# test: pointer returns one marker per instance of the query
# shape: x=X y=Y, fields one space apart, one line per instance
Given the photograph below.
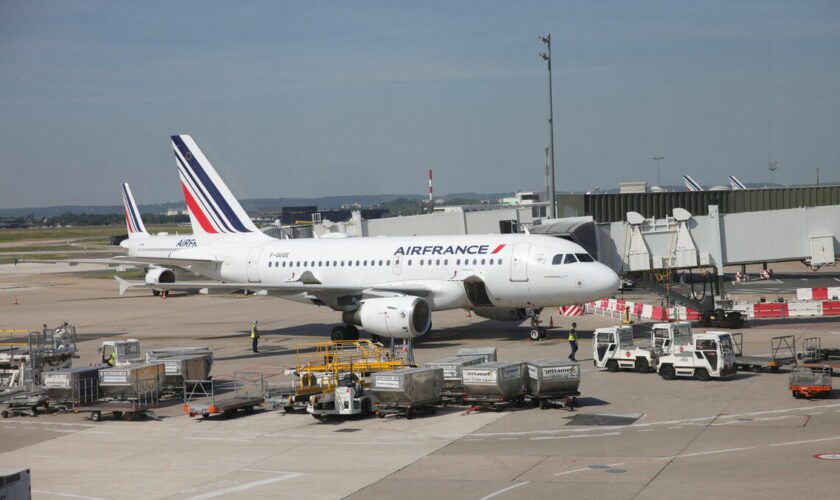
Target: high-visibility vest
x=254 y=333
x=572 y=336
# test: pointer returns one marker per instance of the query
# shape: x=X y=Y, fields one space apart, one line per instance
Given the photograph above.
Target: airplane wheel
x=535 y=334
x=339 y=333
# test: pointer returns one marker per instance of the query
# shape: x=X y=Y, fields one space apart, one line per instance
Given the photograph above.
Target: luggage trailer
x=408 y=392
x=782 y=353
x=138 y=400
x=808 y=382
x=209 y=398
x=494 y=386
x=553 y=383
x=814 y=356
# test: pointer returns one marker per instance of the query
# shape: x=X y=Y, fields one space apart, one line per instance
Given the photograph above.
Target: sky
x=314 y=98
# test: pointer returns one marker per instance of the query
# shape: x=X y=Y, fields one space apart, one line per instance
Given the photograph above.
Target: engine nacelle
x=501 y=313
x=157 y=275
x=393 y=317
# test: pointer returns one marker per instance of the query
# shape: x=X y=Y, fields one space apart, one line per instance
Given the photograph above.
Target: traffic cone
x=16 y=301
x=163 y=294
x=551 y=321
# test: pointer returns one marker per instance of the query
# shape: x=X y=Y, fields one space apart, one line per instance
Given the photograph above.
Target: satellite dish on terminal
x=635 y=218
x=682 y=215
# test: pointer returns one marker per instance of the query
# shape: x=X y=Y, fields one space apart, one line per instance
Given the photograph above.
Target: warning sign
x=828 y=456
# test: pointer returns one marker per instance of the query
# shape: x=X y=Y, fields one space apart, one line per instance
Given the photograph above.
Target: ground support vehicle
x=120 y=352
x=25 y=356
x=138 y=400
x=15 y=484
x=666 y=337
x=553 y=383
x=807 y=382
x=347 y=398
x=209 y=398
x=723 y=318
x=782 y=353
x=711 y=355
x=614 y=349
x=179 y=368
x=814 y=356
x=494 y=386
x=408 y=392
x=25 y=404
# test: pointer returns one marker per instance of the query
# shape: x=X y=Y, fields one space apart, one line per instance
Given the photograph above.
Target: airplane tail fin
x=736 y=184
x=133 y=220
x=691 y=184
x=213 y=209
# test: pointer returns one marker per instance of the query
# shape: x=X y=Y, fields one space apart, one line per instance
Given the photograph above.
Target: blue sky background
x=323 y=98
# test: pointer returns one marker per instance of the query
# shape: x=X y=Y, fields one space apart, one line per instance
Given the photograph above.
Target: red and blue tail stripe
x=132 y=214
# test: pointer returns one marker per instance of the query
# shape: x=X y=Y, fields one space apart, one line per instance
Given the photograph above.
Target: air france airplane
x=149 y=251
x=390 y=286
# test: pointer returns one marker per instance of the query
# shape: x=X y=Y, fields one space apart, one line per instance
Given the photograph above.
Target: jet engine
x=501 y=313
x=157 y=275
x=392 y=317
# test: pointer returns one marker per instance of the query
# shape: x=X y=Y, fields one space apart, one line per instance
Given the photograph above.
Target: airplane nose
x=608 y=281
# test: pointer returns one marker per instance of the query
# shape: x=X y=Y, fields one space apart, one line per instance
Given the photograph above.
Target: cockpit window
x=570 y=259
x=558 y=259
x=584 y=257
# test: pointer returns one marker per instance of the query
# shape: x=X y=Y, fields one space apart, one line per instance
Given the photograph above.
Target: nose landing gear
x=537 y=332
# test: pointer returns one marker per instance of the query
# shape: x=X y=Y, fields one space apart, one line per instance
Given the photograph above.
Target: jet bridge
x=642 y=247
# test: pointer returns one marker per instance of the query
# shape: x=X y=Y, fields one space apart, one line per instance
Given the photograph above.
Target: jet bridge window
x=584 y=257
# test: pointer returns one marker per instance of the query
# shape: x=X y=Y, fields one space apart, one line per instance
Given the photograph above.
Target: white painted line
x=576 y=436
x=713 y=452
x=815 y=413
x=247 y=486
x=60 y=430
x=508 y=439
x=807 y=441
x=503 y=490
x=651 y=430
x=208 y=438
x=676 y=427
x=68 y=495
x=583 y=469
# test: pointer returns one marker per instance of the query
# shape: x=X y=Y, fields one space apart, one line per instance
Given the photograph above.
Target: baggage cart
x=494 y=386
x=807 y=382
x=72 y=387
x=178 y=368
x=407 y=392
x=453 y=366
x=139 y=399
x=782 y=353
x=209 y=398
x=553 y=383
x=25 y=404
x=123 y=382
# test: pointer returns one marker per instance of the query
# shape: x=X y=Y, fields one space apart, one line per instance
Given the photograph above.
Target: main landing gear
x=537 y=332
x=344 y=332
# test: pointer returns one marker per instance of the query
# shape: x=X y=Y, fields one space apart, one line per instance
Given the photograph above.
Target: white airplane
x=148 y=251
x=388 y=285
x=736 y=184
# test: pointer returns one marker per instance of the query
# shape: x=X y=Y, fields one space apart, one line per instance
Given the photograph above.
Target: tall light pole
x=658 y=172
x=772 y=167
x=552 y=209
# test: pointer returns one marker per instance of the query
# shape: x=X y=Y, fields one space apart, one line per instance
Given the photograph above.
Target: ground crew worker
x=112 y=359
x=255 y=336
x=573 y=341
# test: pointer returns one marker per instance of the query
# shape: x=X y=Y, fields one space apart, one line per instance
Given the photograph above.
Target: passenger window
x=445 y=262
x=421 y=261
x=475 y=262
x=357 y=263
x=570 y=259
x=500 y=262
x=380 y=262
x=558 y=259
x=409 y=262
x=320 y=263
x=491 y=262
x=584 y=257
x=364 y=262
x=437 y=262
x=327 y=264
x=458 y=262
x=284 y=263
x=388 y=263
x=482 y=261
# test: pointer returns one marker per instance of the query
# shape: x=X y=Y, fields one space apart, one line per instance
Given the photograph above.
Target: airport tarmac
x=635 y=435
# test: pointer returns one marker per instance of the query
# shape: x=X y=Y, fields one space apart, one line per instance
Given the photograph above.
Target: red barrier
x=659 y=313
x=620 y=305
x=819 y=293
x=771 y=310
x=831 y=308
x=637 y=309
x=691 y=314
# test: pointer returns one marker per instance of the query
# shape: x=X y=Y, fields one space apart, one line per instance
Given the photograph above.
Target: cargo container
x=452 y=368
x=179 y=368
x=123 y=381
x=499 y=382
x=487 y=353
x=553 y=383
x=73 y=385
x=409 y=386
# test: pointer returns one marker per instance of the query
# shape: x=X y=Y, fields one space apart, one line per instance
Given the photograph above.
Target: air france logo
x=186 y=243
x=449 y=250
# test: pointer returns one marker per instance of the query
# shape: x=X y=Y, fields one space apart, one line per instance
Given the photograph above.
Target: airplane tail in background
x=133 y=220
x=736 y=184
x=214 y=211
x=691 y=184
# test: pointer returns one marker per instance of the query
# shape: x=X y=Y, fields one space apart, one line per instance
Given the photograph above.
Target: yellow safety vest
x=254 y=333
x=572 y=336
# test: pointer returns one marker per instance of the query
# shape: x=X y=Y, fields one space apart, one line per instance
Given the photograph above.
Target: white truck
x=704 y=356
x=614 y=349
x=663 y=336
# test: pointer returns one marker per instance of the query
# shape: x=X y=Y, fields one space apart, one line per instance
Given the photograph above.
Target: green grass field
x=88 y=234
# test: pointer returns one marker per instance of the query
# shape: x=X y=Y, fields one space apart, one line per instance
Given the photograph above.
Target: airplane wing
x=124 y=261
x=288 y=288
x=75 y=262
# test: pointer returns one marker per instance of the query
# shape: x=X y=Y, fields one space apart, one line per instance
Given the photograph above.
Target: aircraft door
x=253 y=266
x=519 y=262
x=397 y=266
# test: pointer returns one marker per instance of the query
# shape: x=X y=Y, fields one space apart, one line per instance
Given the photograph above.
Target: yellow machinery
x=321 y=366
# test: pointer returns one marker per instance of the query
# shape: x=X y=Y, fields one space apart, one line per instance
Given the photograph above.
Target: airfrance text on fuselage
x=448 y=250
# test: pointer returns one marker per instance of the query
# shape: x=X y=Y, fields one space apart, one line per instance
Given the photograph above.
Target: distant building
x=176 y=211
x=521 y=198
